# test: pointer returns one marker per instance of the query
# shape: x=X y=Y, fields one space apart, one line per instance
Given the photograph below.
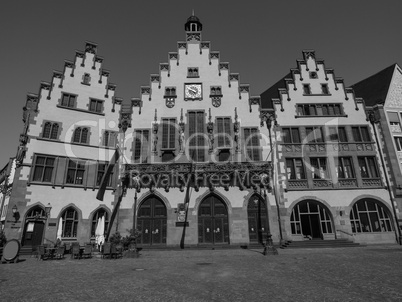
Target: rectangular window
x=96 y=106
x=75 y=172
x=223 y=130
x=68 y=100
x=192 y=72
x=306 y=89
x=109 y=138
x=216 y=90
x=398 y=142
x=50 y=130
x=43 y=168
x=141 y=145
x=314 y=134
x=361 y=134
x=324 y=89
x=196 y=135
x=102 y=167
x=319 y=168
x=319 y=110
x=344 y=167
x=368 y=167
x=170 y=91
x=295 y=168
x=252 y=143
x=291 y=135
x=168 y=133
x=337 y=134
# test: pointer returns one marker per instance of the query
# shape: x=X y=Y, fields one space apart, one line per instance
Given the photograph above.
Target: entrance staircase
x=317 y=243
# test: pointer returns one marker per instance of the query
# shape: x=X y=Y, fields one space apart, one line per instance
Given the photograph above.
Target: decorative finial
x=193 y=12
x=156 y=117
x=235 y=114
x=210 y=117
x=181 y=116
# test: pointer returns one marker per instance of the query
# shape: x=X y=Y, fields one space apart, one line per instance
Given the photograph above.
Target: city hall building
x=300 y=161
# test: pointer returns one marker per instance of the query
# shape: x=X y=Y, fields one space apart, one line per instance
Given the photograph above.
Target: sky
x=260 y=39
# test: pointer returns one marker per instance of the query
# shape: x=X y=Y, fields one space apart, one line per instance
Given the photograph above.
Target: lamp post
x=47 y=212
x=269 y=245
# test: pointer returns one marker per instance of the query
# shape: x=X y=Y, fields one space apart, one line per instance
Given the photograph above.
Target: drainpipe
x=398 y=235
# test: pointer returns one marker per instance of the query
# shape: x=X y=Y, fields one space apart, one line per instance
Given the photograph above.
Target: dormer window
x=86 y=79
x=192 y=72
x=216 y=91
x=306 y=89
x=324 y=89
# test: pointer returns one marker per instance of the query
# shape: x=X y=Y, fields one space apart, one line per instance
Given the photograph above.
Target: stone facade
x=196 y=140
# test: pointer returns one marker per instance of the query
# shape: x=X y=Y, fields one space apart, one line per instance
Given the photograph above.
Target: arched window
x=50 y=130
x=55 y=131
x=99 y=214
x=36 y=212
x=70 y=223
x=368 y=215
x=310 y=218
x=80 y=135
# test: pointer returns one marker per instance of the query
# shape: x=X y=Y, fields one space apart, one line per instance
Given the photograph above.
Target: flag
x=186 y=205
x=105 y=178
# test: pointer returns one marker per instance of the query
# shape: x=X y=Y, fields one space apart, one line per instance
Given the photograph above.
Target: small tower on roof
x=193 y=24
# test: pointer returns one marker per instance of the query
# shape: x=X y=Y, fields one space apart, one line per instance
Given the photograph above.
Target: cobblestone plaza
x=371 y=273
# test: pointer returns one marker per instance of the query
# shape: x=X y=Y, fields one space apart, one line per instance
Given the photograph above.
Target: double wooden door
x=152 y=218
x=213 y=225
x=257 y=220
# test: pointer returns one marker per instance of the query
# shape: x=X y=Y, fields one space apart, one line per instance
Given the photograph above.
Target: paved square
x=372 y=273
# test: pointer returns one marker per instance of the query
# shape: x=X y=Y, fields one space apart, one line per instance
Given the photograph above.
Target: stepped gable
x=309 y=70
x=375 y=88
x=193 y=28
x=89 y=62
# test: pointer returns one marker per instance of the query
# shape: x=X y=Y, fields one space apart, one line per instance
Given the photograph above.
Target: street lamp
x=47 y=210
x=16 y=214
x=269 y=245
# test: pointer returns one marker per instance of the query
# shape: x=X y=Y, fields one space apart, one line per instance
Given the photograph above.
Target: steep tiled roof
x=272 y=92
x=374 y=89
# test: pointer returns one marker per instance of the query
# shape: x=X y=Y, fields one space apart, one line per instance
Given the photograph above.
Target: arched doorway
x=34 y=227
x=151 y=221
x=311 y=219
x=213 y=225
x=257 y=219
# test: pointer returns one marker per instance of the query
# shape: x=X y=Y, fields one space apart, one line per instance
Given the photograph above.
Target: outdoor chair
x=106 y=252
x=119 y=251
x=60 y=252
x=87 y=251
x=42 y=255
x=75 y=251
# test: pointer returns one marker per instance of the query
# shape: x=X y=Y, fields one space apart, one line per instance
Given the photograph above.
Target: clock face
x=193 y=91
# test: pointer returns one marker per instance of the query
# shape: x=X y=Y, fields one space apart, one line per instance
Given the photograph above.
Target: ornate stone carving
x=210 y=129
x=236 y=128
x=216 y=101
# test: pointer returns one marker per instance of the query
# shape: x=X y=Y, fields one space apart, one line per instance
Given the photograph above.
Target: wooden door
x=257 y=220
x=152 y=222
x=33 y=233
x=213 y=225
